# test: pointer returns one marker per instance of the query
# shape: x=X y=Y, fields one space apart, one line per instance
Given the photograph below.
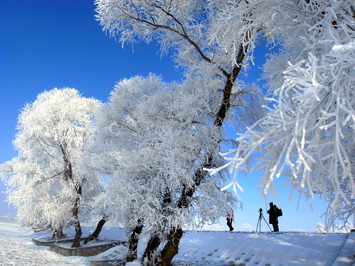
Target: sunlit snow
x=196 y=248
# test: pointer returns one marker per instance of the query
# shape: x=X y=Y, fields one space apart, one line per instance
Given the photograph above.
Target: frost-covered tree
x=46 y=183
x=152 y=139
x=307 y=136
x=211 y=63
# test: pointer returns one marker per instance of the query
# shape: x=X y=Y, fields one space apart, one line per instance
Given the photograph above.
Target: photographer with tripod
x=274 y=213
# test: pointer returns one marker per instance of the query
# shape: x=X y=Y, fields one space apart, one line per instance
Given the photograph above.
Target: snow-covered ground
x=197 y=248
x=17 y=248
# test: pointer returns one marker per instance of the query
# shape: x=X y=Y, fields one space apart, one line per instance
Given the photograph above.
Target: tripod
x=258 y=225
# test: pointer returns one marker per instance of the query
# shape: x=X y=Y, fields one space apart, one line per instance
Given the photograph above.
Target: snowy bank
x=197 y=248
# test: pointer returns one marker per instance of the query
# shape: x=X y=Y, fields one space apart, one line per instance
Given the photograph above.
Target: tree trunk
x=75 y=211
x=97 y=231
x=171 y=248
x=133 y=243
x=68 y=174
x=78 y=233
x=152 y=245
x=58 y=233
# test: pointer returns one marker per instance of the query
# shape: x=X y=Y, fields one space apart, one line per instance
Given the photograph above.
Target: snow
x=262 y=249
x=17 y=248
x=196 y=248
x=341 y=48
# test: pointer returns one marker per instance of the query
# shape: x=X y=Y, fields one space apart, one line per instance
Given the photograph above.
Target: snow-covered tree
x=307 y=135
x=186 y=28
x=247 y=227
x=47 y=185
x=152 y=139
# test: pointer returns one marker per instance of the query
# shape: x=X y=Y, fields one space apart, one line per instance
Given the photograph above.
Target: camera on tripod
x=261 y=216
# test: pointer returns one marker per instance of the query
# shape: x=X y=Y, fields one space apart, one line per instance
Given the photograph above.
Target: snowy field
x=17 y=248
x=197 y=248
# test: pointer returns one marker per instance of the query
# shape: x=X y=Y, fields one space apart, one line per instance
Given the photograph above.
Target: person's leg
x=276 y=226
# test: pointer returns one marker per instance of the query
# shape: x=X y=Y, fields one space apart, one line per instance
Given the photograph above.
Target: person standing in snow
x=229 y=222
x=273 y=217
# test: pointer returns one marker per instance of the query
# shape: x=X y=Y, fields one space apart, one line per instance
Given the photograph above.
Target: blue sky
x=46 y=44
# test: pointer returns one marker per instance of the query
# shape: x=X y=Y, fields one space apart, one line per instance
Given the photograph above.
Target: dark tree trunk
x=97 y=231
x=133 y=243
x=171 y=248
x=151 y=248
x=78 y=233
x=155 y=241
x=68 y=174
x=58 y=233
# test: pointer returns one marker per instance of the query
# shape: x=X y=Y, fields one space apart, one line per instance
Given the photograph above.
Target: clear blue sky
x=51 y=43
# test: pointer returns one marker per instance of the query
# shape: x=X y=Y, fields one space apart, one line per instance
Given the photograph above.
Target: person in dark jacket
x=229 y=222
x=273 y=217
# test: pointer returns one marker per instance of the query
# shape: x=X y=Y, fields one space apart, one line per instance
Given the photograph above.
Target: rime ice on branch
x=307 y=136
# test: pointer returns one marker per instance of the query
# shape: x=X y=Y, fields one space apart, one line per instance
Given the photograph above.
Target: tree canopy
x=307 y=134
x=47 y=186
